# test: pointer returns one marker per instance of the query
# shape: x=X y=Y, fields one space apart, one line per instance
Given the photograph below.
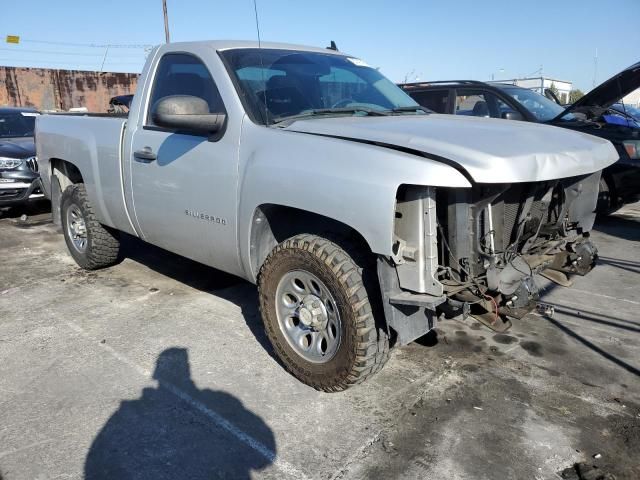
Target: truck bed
x=94 y=143
x=90 y=114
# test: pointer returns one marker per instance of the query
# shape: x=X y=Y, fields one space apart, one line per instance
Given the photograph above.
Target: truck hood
x=483 y=150
x=609 y=92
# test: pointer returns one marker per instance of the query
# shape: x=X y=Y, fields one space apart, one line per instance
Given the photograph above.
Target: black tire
x=102 y=244
x=606 y=198
x=364 y=348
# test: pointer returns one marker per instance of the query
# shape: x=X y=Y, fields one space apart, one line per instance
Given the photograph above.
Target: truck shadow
x=628 y=265
x=34 y=208
x=619 y=225
x=203 y=278
x=571 y=332
x=176 y=430
x=596 y=317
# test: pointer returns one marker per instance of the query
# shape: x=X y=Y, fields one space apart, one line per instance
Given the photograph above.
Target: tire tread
x=371 y=342
x=103 y=248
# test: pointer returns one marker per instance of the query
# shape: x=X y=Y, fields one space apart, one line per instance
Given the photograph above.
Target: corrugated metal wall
x=50 y=89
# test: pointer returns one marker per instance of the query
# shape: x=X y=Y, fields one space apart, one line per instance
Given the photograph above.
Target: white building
x=540 y=84
x=633 y=99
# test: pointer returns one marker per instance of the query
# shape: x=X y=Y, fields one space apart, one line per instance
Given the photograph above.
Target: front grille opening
x=32 y=164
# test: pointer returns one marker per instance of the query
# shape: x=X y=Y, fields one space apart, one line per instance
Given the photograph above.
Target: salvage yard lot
x=158 y=368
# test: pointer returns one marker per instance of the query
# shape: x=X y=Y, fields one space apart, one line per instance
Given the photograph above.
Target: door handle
x=145 y=154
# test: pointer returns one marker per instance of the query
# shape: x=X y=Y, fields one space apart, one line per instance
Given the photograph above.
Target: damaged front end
x=479 y=251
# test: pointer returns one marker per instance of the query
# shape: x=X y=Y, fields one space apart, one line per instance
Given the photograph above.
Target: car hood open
x=609 y=92
x=484 y=150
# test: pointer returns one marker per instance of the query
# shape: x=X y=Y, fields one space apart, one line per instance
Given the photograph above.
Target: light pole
x=595 y=68
x=166 y=20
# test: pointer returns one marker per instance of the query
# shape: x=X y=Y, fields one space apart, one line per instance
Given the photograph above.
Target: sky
x=414 y=40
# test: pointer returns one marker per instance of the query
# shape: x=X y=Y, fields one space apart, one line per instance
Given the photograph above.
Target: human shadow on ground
x=177 y=430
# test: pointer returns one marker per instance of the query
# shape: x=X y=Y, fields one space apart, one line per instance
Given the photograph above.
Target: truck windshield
x=17 y=124
x=539 y=105
x=275 y=85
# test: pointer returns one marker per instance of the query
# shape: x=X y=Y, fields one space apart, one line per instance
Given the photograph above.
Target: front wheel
x=318 y=316
x=91 y=244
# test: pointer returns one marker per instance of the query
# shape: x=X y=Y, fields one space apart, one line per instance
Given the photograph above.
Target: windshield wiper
x=410 y=108
x=327 y=111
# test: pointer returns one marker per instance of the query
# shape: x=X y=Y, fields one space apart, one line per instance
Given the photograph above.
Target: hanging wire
x=79 y=54
x=87 y=45
x=48 y=61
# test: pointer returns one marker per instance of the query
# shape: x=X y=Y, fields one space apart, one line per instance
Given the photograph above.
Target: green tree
x=575 y=95
x=555 y=90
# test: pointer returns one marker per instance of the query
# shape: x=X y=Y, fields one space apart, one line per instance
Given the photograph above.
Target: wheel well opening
x=66 y=173
x=273 y=224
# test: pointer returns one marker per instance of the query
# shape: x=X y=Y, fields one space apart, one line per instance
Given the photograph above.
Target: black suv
x=591 y=114
x=19 y=178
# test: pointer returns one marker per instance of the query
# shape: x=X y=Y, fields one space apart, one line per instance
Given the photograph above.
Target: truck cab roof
x=222 y=45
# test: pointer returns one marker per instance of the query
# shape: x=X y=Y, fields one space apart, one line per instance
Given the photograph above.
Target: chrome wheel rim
x=76 y=228
x=308 y=316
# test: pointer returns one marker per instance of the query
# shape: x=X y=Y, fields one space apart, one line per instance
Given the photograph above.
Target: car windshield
x=20 y=124
x=540 y=106
x=629 y=110
x=276 y=85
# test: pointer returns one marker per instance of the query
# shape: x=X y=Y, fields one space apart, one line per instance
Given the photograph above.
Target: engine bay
x=476 y=251
x=494 y=239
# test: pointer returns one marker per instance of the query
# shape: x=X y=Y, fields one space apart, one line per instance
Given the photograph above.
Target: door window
x=480 y=103
x=435 y=100
x=472 y=103
x=183 y=74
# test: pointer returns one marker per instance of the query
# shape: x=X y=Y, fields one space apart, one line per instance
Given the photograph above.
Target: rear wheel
x=318 y=315
x=91 y=244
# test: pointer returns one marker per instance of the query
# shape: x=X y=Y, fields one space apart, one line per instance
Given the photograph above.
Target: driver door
x=183 y=184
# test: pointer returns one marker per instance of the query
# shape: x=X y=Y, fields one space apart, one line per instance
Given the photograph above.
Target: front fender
x=352 y=183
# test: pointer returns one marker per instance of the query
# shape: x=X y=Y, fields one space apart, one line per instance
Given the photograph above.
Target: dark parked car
x=19 y=178
x=591 y=114
x=120 y=104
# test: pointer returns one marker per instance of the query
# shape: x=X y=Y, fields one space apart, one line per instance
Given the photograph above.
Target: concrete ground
x=158 y=368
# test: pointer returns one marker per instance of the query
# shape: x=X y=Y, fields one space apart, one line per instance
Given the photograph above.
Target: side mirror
x=513 y=115
x=186 y=112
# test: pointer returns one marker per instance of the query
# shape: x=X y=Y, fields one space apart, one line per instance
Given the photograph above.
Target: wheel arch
x=273 y=223
x=62 y=175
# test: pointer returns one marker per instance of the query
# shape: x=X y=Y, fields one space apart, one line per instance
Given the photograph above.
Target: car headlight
x=10 y=163
x=633 y=148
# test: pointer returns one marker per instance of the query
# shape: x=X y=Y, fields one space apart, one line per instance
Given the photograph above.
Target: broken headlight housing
x=10 y=163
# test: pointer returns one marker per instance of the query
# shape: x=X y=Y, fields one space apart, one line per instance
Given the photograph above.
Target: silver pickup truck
x=362 y=217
